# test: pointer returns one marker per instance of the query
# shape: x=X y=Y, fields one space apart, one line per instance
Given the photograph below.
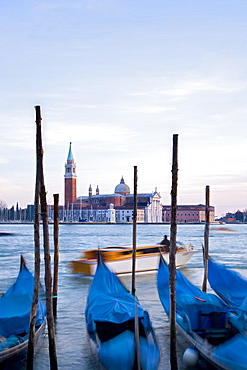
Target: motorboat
x=119 y=258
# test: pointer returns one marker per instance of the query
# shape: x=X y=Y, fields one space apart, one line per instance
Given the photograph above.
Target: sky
x=118 y=78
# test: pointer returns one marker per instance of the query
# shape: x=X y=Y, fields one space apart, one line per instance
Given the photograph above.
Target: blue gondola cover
x=109 y=302
x=15 y=305
x=232 y=288
x=190 y=300
x=116 y=304
x=197 y=311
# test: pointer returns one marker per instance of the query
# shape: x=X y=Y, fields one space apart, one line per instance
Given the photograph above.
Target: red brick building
x=188 y=213
x=70 y=179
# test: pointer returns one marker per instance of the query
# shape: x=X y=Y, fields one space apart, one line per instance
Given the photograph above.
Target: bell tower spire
x=70 y=179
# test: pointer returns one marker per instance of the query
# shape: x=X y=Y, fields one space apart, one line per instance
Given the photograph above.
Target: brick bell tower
x=70 y=179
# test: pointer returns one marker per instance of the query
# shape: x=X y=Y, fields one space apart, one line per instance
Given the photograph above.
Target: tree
x=17 y=212
x=3 y=208
x=3 y=204
x=11 y=213
x=239 y=216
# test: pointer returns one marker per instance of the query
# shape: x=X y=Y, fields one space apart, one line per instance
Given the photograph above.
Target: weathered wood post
x=172 y=256
x=137 y=343
x=206 y=241
x=48 y=276
x=56 y=253
x=134 y=232
x=30 y=354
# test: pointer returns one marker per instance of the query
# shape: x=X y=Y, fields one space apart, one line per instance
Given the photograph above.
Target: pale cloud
x=147 y=109
x=7 y=186
x=4 y=160
x=118 y=79
x=78 y=4
x=90 y=134
x=187 y=87
x=19 y=137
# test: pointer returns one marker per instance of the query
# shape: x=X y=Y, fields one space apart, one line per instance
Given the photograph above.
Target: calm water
x=72 y=347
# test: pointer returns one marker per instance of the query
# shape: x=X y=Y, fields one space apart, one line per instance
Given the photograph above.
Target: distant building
x=30 y=213
x=230 y=218
x=189 y=214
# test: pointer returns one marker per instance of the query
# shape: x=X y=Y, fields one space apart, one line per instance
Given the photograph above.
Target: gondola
x=232 y=288
x=110 y=320
x=205 y=322
x=15 y=306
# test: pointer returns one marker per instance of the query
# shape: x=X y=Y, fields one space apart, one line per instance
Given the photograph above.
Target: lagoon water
x=72 y=346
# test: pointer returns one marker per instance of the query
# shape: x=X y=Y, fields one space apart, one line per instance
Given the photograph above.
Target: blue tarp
x=15 y=305
x=109 y=300
x=227 y=283
x=232 y=353
x=112 y=354
x=232 y=288
x=189 y=299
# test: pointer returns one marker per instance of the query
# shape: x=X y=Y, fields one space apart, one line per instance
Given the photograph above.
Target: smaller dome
x=122 y=188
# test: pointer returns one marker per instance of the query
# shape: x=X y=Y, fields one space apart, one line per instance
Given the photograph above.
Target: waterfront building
x=118 y=206
x=189 y=214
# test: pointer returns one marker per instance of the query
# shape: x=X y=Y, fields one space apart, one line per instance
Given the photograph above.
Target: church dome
x=122 y=188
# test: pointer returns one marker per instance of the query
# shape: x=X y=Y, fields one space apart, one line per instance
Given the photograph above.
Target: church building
x=118 y=207
x=114 y=208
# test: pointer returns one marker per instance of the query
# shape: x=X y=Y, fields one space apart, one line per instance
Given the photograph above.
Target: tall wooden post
x=134 y=233
x=172 y=256
x=48 y=276
x=137 y=342
x=56 y=253
x=206 y=241
x=30 y=354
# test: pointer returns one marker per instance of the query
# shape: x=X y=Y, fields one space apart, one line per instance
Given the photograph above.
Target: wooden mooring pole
x=172 y=256
x=47 y=255
x=137 y=342
x=30 y=353
x=134 y=233
x=56 y=254
x=206 y=240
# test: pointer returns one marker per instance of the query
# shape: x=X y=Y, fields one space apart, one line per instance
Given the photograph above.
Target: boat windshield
x=111 y=249
x=181 y=245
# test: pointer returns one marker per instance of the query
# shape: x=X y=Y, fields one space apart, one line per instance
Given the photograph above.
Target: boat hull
x=145 y=263
x=15 y=358
x=202 y=346
x=110 y=355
